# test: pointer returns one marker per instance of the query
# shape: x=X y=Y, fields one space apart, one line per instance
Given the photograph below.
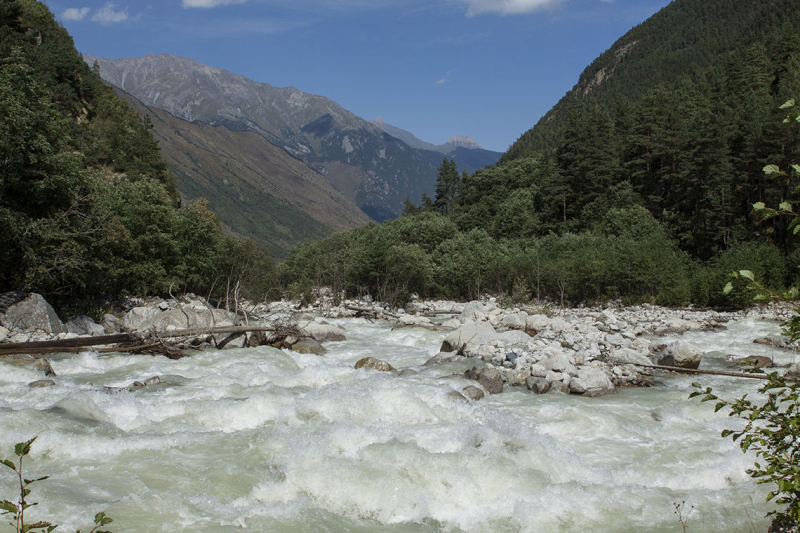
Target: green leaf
x=8 y=506
x=788 y=104
x=796 y=168
x=9 y=464
x=29 y=481
x=728 y=288
x=758 y=206
x=23 y=448
x=747 y=275
x=785 y=206
x=772 y=170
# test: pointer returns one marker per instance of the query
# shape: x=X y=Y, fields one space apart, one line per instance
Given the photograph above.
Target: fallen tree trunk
x=711 y=372
x=191 y=332
x=78 y=342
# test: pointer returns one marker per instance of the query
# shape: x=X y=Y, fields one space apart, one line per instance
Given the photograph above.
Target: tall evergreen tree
x=446 y=185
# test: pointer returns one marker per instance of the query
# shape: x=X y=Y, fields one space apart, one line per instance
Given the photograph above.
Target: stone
x=491 y=380
x=757 y=361
x=777 y=342
x=538 y=371
x=374 y=364
x=137 y=316
x=111 y=324
x=681 y=354
x=307 y=345
x=28 y=361
x=154 y=380
x=324 y=332
x=198 y=317
x=443 y=357
x=469 y=335
x=616 y=339
x=537 y=385
x=557 y=387
x=163 y=306
x=456 y=396
x=512 y=337
x=593 y=381
x=473 y=393
x=42 y=383
x=3 y=333
x=515 y=321
x=452 y=323
x=408 y=372
x=559 y=325
x=472 y=373
x=473 y=311
x=629 y=357
x=794 y=371
x=559 y=363
x=33 y=313
x=84 y=325
x=537 y=322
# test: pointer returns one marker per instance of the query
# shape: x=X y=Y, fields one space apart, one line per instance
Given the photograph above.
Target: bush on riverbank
x=629 y=257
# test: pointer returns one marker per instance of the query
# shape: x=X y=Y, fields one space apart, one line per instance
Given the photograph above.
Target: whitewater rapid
x=265 y=440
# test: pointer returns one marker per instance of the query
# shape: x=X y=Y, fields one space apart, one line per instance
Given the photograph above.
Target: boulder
x=323 y=332
x=777 y=342
x=111 y=324
x=473 y=311
x=512 y=337
x=308 y=345
x=491 y=380
x=591 y=382
x=42 y=383
x=374 y=364
x=33 y=313
x=756 y=361
x=537 y=322
x=84 y=325
x=537 y=385
x=559 y=363
x=681 y=354
x=28 y=361
x=473 y=393
x=198 y=317
x=443 y=357
x=559 y=325
x=558 y=387
x=469 y=335
x=629 y=357
x=456 y=396
x=515 y=321
x=452 y=323
x=794 y=371
x=137 y=316
x=3 y=333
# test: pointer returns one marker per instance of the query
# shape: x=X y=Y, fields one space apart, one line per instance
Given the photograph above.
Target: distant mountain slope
x=467 y=153
x=254 y=187
x=684 y=39
x=371 y=168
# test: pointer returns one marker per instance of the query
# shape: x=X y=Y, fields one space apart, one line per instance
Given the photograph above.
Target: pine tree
x=446 y=184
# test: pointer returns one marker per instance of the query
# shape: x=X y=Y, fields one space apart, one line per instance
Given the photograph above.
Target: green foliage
x=17 y=509
x=772 y=430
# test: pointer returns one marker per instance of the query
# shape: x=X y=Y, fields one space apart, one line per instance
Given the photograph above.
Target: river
x=264 y=440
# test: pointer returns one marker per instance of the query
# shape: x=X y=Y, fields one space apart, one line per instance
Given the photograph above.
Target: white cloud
x=508 y=7
x=108 y=15
x=75 y=13
x=209 y=3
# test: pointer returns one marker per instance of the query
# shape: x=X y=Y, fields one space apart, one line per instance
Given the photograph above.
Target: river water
x=264 y=440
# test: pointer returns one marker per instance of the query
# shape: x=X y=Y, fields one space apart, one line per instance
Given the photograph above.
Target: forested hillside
x=87 y=204
x=639 y=184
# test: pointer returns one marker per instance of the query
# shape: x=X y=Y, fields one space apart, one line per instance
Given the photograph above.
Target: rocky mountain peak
x=464 y=141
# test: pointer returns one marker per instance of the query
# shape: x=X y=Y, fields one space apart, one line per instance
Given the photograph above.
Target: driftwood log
x=711 y=372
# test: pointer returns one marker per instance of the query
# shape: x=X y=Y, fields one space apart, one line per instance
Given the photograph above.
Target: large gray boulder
x=473 y=311
x=537 y=322
x=374 y=364
x=491 y=380
x=137 y=316
x=794 y=371
x=308 y=345
x=681 y=354
x=323 y=332
x=515 y=321
x=468 y=337
x=591 y=382
x=84 y=325
x=512 y=337
x=198 y=317
x=629 y=357
x=33 y=313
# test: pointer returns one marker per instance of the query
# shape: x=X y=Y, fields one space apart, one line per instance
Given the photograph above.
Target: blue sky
x=485 y=68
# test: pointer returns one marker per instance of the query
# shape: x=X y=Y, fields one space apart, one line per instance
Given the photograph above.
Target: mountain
x=466 y=152
x=368 y=166
x=253 y=187
x=685 y=39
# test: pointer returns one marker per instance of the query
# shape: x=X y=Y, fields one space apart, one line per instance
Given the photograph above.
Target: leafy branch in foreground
x=773 y=432
x=17 y=510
